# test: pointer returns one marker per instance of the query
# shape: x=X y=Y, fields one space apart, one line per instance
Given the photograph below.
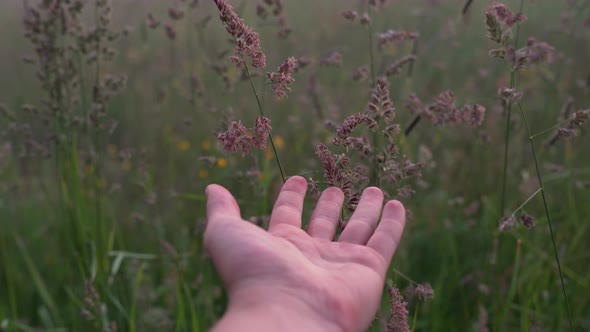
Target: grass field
x=109 y=128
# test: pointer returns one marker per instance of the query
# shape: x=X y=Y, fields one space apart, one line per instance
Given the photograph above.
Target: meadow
x=115 y=116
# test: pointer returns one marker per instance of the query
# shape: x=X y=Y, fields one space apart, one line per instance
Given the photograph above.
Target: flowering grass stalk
x=499 y=20
x=247 y=48
x=542 y=188
x=398 y=320
x=508 y=122
x=375 y=167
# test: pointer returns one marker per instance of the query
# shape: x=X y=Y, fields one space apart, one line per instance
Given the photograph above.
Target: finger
x=220 y=204
x=289 y=205
x=389 y=231
x=324 y=219
x=365 y=217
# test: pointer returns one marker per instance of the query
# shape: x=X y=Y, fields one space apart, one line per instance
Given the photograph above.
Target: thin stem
x=412 y=125
x=506 y=147
x=513 y=281
x=191 y=52
x=371 y=55
x=417 y=118
x=508 y=123
x=549 y=129
x=315 y=100
x=97 y=144
x=272 y=143
x=375 y=169
x=569 y=312
x=415 y=319
x=399 y=273
x=466 y=7
x=527 y=200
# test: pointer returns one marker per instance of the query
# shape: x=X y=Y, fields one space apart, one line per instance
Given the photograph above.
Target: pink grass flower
x=527 y=221
x=261 y=132
x=422 y=292
x=444 y=110
x=395 y=36
x=333 y=59
x=350 y=15
x=247 y=42
x=398 y=321
x=239 y=138
x=381 y=105
x=236 y=138
x=505 y=15
x=506 y=223
x=282 y=77
x=539 y=52
x=349 y=124
x=333 y=169
x=361 y=73
x=474 y=114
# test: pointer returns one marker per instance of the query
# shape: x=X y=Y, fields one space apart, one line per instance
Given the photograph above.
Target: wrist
x=263 y=310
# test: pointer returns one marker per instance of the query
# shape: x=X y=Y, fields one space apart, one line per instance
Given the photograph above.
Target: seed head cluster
x=398 y=315
x=395 y=36
x=500 y=20
x=239 y=138
x=247 y=42
x=281 y=79
x=380 y=162
x=444 y=111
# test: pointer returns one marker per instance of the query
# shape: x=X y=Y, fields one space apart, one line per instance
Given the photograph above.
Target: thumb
x=220 y=204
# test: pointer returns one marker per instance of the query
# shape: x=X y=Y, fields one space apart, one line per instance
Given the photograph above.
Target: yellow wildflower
x=206 y=145
x=221 y=162
x=279 y=142
x=183 y=145
x=203 y=173
x=126 y=165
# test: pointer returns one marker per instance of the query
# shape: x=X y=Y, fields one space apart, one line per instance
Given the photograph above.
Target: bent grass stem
x=540 y=179
x=272 y=143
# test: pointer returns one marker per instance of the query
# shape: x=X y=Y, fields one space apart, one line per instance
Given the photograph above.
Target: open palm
x=340 y=281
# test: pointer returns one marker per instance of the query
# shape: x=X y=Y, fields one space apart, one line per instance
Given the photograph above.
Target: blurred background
x=108 y=139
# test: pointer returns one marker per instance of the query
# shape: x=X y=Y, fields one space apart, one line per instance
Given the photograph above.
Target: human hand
x=289 y=279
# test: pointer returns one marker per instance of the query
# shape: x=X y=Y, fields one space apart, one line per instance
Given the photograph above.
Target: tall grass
x=101 y=225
